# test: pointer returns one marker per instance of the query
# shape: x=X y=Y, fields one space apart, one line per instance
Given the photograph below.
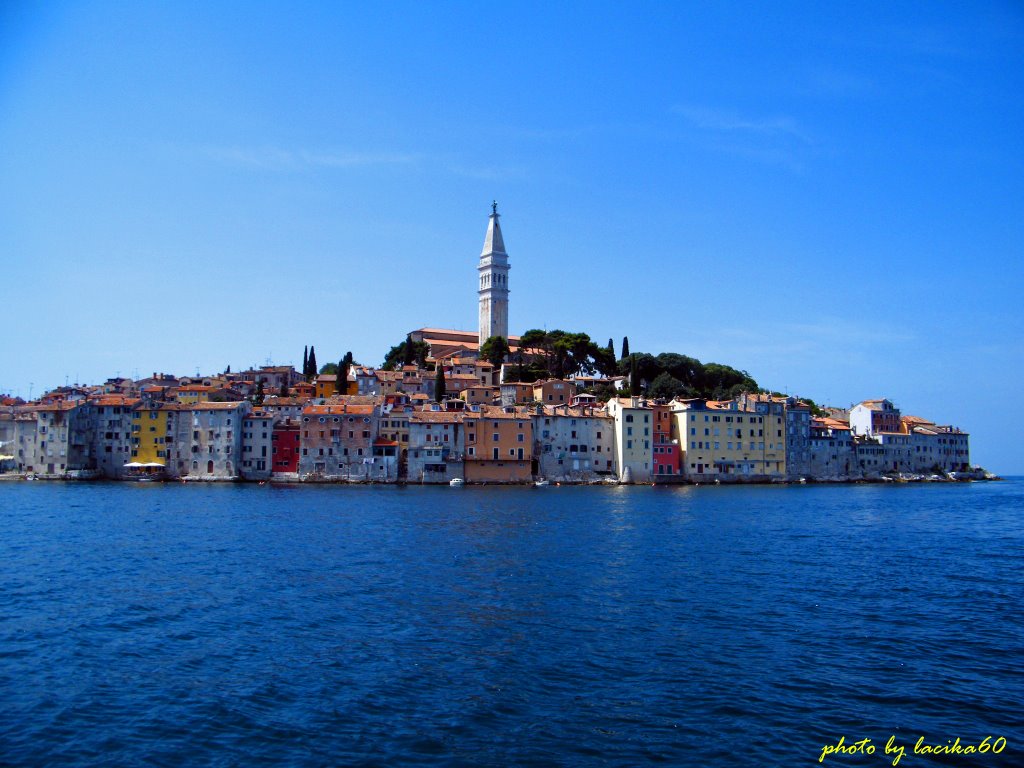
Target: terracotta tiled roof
x=494 y=412
x=114 y=400
x=59 y=405
x=575 y=411
x=915 y=420
x=215 y=406
x=338 y=410
x=276 y=401
x=422 y=417
x=835 y=424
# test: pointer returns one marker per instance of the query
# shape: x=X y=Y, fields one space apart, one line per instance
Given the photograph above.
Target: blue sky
x=831 y=198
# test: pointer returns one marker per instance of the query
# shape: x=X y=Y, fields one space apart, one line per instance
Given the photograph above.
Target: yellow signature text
x=895 y=751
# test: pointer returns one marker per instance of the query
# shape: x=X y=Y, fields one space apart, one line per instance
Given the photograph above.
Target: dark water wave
x=167 y=625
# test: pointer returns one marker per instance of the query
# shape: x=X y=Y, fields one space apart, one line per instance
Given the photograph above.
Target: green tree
x=667 y=386
x=343 y=369
x=312 y=362
x=305 y=361
x=625 y=347
x=685 y=369
x=634 y=378
x=604 y=360
x=284 y=389
x=409 y=353
x=329 y=368
x=520 y=370
x=397 y=355
x=495 y=350
x=259 y=397
x=560 y=353
x=721 y=381
x=439 y=385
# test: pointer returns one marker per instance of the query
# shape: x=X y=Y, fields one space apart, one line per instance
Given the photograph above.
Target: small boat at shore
x=456 y=482
x=540 y=483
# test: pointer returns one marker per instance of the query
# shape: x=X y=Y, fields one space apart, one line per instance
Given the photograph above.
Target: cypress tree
x=409 y=353
x=439 y=386
x=625 y=347
x=341 y=382
x=611 y=349
x=305 y=361
x=284 y=389
x=259 y=396
x=312 y=362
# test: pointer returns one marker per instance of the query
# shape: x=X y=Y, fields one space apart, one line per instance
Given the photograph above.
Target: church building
x=492 y=298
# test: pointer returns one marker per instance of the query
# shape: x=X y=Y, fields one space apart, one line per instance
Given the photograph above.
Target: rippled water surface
x=148 y=624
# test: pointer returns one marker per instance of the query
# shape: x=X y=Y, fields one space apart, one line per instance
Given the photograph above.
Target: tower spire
x=493 y=291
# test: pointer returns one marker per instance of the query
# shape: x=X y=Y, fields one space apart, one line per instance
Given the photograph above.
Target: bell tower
x=493 y=291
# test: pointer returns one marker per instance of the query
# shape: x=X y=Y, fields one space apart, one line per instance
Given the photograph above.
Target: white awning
x=133 y=464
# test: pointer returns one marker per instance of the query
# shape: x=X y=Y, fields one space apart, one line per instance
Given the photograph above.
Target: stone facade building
x=337 y=442
x=257 y=445
x=573 y=444
x=213 y=439
x=437 y=446
x=113 y=437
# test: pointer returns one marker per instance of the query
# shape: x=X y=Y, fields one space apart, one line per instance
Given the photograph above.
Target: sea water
x=203 y=624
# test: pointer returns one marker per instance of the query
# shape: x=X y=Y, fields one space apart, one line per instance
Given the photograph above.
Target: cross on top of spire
x=494 y=208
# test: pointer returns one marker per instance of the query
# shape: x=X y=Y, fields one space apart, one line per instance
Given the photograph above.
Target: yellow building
x=327 y=385
x=721 y=442
x=633 y=423
x=194 y=393
x=152 y=433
